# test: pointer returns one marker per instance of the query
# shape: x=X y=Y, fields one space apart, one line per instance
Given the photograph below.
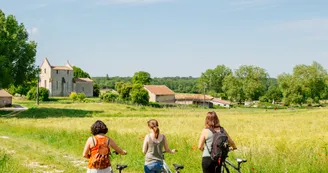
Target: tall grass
x=271 y=141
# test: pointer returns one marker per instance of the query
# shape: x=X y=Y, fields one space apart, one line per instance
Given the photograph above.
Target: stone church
x=60 y=81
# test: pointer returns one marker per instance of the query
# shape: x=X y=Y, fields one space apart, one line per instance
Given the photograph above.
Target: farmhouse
x=60 y=81
x=5 y=99
x=220 y=102
x=160 y=93
x=197 y=99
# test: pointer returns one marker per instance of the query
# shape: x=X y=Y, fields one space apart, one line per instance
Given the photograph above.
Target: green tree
x=274 y=94
x=291 y=89
x=212 y=79
x=124 y=90
x=141 y=77
x=233 y=89
x=253 y=81
x=17 y=53
x=139 y=95
x=307 y=84
x=79 y=73
x=96 y=90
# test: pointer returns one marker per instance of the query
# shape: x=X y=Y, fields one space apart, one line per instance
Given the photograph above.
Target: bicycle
x=237 y=168
x=119 y=167
x=166 y=168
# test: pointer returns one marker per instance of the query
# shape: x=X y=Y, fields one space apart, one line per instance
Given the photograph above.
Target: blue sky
x=175 y=37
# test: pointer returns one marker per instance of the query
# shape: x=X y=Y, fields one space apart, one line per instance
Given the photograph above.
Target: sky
x=175 y=37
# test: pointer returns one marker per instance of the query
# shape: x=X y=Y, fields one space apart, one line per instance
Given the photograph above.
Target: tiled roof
x=4 y=93
x=221 y=101
x=159 y=89
x=83 y=80
x=61 y=68
x=192 y=97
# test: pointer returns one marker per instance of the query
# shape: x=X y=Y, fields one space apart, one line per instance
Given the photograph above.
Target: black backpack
x=220 y=146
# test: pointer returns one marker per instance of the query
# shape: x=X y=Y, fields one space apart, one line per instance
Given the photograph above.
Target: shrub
x=155 y=105
x=43 y=94
x=81 y=97
x=309 y=101
x=264 y=99
x=73 y=96
x=109 y=97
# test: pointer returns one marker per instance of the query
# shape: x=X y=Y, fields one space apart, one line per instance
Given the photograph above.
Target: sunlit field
x=50 y=137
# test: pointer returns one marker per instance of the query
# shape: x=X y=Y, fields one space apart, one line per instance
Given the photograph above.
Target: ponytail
x=156 y=132
x=153 y=124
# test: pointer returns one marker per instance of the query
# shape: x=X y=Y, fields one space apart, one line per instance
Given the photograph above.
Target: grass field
x=50 y=137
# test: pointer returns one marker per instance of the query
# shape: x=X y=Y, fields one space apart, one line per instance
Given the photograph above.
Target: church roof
x=68 y=66
x=83 y=80
x=61 y=68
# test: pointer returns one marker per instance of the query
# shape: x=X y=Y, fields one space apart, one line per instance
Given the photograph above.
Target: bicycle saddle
x=241 y=160
x=121 y=167
x=177 y=167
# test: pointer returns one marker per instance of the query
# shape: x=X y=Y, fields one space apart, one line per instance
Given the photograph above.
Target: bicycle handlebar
x=174 y=149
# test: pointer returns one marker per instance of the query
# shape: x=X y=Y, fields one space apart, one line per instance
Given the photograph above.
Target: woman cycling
x=99 y=140
x=153 y=147
x=206 y=139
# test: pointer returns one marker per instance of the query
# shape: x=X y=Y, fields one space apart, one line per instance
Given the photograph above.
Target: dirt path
x=15 y=110
x=38 y=157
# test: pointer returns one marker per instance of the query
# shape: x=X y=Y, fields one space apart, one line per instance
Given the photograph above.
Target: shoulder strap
x=222 y=130
x=93 y=140
x=212 y=130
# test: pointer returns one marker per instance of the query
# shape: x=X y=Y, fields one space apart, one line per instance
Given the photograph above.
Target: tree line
x=307 y=84
x=177 y=84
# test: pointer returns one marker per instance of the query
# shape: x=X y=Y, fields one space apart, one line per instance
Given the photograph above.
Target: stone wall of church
x=61 y=82
x=45 y=76
x=84 y=87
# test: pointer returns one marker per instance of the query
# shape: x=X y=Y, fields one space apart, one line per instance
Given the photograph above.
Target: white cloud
x=33 y=31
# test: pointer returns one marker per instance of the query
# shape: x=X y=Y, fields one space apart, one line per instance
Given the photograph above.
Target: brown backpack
x=101 y=159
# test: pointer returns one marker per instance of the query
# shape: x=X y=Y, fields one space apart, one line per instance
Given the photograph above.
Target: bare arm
x=86 y=151
x=116 y=148
x=201 y=141
x=145 y=145
x=166 y=146
x=231 y=142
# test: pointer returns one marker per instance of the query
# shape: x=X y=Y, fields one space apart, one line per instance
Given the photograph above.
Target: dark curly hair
x=99 y=127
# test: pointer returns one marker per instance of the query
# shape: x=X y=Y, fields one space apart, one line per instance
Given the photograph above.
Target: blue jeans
x=155 y=167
